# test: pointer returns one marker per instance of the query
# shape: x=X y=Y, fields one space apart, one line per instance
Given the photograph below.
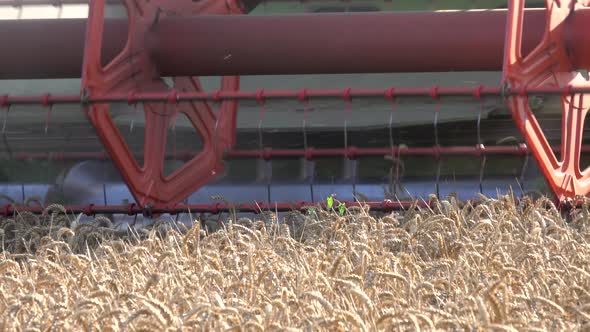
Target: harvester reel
x=466 y=148
x=132 y=71
x=548 y=65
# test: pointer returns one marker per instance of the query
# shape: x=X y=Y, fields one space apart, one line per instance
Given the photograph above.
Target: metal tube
x=334 y=43
x=51 y=48
x=214 y=208
x=577 y=39
x=15 y=3
x=302 y=95
x=289 y=44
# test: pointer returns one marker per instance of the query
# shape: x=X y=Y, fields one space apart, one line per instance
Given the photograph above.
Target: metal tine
x=308 y=172
x=480 y=143
x=352 y=163
x=173 y=120
x=391 y=140
x=267 y=165
x=354 y=171
x=104 y=166
x=260 y=140
x=216 y=135
x=132 y=124
x=394 y=183
x=216 y=126
x=310 y=165
x=347 y=116
x=268 y=172
x=174 y=117
x=307 y=164
x=399 y=162
x=5 y=119
x=437 y=145
x=48 y=118
x=526 y=156
x=6 y=145
x=523 y=170
x=304 y=126
x=4 y=103
x=104 y=193
x=304 y=122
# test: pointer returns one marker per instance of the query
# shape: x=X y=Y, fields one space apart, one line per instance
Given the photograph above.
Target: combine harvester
x=167 y=106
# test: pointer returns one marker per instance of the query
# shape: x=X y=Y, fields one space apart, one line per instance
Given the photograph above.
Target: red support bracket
x=132 y=71
x=549 y=65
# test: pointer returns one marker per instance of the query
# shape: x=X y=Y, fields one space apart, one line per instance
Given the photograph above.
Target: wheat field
x=496 y=266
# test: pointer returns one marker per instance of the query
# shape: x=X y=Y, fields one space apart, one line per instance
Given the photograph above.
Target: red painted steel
x=302 y=95
x=17 y=3
x=288 y=44
x=350 y=43
x=214 y=208
x=256 y=207
x=132 y=71
x=549 y=65
x=61 y=42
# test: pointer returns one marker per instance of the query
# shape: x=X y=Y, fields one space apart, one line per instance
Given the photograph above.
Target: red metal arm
x=549 y=65
x=132 y=71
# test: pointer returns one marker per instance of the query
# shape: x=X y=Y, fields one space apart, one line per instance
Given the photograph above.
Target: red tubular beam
x=256 y=207
x=113 y=2
x=351 y=43
x=50 y=48
x=17 y=3
x=215 y=208
x=289 y=44
x=302 y=95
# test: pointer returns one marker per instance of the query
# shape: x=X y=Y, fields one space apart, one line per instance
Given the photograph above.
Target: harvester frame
x=134 y=77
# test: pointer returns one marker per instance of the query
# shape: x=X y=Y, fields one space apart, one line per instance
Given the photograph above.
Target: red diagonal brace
x=549 y=64
x=132 y=71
